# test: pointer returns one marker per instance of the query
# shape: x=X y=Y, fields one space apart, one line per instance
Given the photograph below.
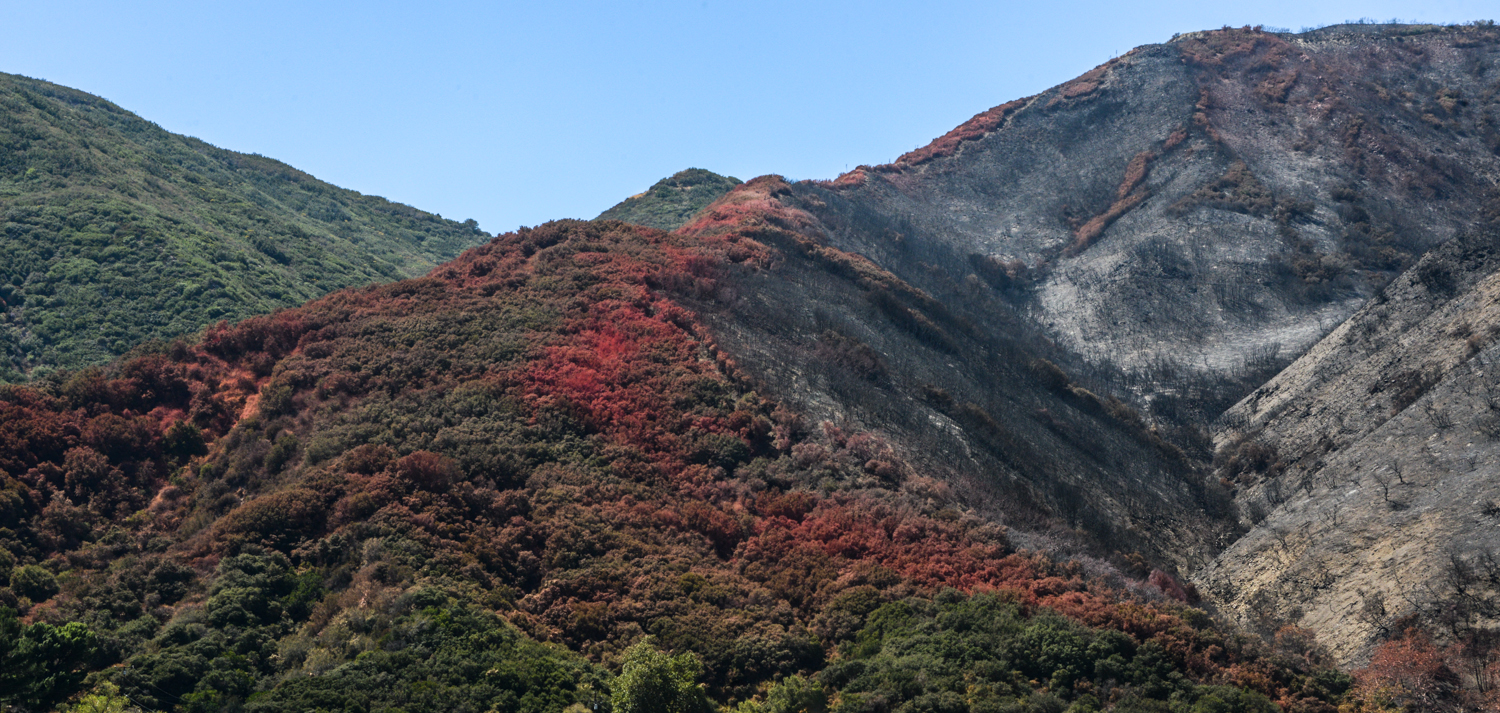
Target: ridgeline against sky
x=514 y=113
x=1168 y=388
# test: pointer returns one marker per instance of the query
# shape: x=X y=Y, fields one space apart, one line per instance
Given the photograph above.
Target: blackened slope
x=116 y=232
x=961 y=386
x=1368 y=467
x=1187 y=218
x=673 y=200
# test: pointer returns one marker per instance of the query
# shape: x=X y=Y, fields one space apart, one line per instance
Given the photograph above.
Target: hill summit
x=1170 y=231
x=116 y=232
x=673 y=201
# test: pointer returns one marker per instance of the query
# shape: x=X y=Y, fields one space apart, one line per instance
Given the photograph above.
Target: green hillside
x=116 y=231
x=670 y=203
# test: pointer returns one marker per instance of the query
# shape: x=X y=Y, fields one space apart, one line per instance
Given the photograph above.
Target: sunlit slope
x=1188 y=218
x=113 y=231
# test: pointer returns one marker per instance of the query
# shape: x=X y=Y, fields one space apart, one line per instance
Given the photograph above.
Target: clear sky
x=517 y=113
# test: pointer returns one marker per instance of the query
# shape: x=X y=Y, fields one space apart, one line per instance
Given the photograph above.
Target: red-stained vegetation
x=538 y=429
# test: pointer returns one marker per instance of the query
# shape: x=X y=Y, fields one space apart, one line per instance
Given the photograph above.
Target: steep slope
x=116 y=232
x=1187 y=218
x=866 y=443
x=672 y=201
x=1173 y=228
x=1369 y=467
x=962 y=386
x=1133 y=227
x=337 y=505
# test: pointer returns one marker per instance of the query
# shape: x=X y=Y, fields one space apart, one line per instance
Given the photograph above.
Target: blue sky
x=517 y=113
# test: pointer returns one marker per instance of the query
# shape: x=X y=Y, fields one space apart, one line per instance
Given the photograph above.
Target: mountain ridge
x=117 y=232
x=902 y=440
x=1243 y=194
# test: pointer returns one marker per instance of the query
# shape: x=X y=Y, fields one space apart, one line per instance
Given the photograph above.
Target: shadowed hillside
x=963 y=386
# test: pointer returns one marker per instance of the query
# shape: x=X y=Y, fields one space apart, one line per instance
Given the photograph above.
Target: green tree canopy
x=42 y=664
x=653 y=682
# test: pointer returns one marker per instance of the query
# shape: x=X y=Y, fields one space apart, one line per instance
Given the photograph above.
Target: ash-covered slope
x=962 y=386
x=1170 y=228
x=1368 y=468
x=113 y=232
x=1173 y=228
x=1188 y=217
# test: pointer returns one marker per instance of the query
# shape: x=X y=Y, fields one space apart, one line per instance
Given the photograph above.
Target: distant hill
x=116 y=231
x=673 y=201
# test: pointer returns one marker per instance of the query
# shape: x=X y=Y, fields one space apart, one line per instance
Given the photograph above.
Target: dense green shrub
x=33 y=582
x=653 y=682
x=672 y=201
x=41 y=664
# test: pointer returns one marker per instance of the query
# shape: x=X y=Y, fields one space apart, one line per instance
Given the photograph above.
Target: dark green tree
x=653 y=682
x=33 y=582
x=42 y=664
